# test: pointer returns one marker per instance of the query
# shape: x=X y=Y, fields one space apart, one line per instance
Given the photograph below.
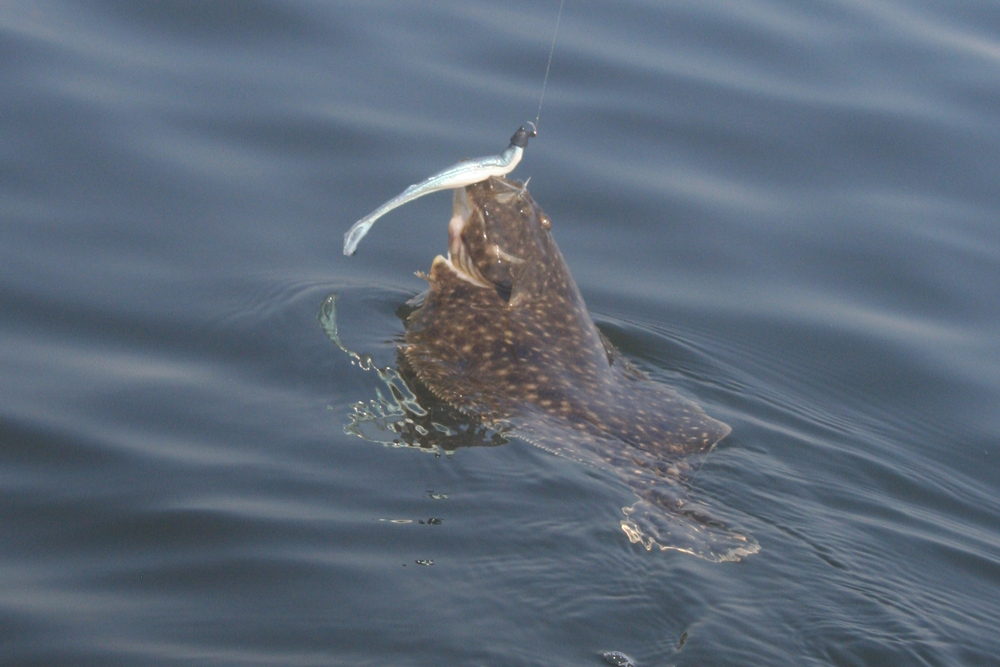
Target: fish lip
x=459 y=257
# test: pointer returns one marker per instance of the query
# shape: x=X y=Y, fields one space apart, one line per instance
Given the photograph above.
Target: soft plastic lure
x=459 y=175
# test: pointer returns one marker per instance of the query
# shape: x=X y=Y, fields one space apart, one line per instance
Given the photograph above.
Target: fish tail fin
x=689 y=529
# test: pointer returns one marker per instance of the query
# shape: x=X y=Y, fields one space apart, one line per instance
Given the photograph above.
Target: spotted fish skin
x=503 y=335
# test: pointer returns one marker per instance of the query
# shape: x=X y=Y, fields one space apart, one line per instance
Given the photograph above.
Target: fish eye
x=546 y=223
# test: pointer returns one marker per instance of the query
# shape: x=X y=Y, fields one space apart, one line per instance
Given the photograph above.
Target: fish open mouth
x=459 y=258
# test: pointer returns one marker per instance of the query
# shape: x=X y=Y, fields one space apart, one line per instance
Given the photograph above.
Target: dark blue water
x=787 y=211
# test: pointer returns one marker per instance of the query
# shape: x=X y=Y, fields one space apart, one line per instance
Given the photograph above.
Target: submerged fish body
x=503 y=336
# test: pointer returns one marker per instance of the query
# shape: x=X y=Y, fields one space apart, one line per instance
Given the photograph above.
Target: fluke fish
x=503 y=337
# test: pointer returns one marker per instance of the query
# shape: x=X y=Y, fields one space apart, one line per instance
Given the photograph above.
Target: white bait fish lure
x=458 y=175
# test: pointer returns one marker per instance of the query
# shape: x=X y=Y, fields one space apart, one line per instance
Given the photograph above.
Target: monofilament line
x=552 y=50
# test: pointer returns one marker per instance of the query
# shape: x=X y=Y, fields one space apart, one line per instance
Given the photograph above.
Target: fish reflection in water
x=501 y=345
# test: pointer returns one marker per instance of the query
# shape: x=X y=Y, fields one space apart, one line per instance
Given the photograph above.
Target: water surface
x=788 y=212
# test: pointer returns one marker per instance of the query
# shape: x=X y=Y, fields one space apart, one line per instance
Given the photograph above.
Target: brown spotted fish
x=503 y=336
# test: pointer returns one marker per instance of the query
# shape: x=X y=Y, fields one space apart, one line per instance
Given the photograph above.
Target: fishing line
x=552 y=49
